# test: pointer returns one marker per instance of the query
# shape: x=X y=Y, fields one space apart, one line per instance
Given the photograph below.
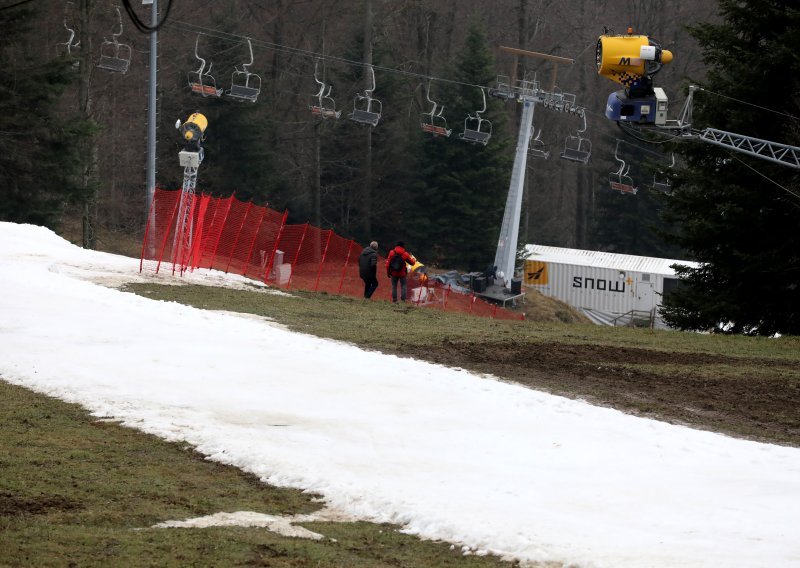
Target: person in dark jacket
x=399 y=273
x=368 y=268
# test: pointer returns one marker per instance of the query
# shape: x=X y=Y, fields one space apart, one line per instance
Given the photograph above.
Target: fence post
x=166 y=234
x=238 y=233
x=253 y=242
x=296 y=256
x=198 y=232
x=271 y=259
x=322 y=262
x=346 y=262
x=219 y=237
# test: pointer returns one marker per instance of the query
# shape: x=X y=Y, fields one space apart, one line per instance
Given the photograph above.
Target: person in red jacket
x=396 y=269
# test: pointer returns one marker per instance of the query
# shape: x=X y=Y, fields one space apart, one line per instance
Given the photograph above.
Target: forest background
x=73 y=135
x=444 y=197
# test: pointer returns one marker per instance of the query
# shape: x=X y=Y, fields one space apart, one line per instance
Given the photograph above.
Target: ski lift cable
x=637 y=146
x=766 y=177
x=15 y=5
x=185 y=26
x=306 y=53
x=749 y=104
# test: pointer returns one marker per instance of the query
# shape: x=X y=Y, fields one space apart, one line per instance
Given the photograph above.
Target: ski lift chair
x=115 y=56
x=663 y=185
x=477 y=130
x=537 y=148
x=325 y=106
x=201 y=81
x=577 y=148
x=367 y=110
x=65 y=49
x=620 y=180
x=245 y=86
x=433 y=122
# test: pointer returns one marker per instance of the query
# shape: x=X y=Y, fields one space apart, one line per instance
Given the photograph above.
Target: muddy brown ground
x=764 y=408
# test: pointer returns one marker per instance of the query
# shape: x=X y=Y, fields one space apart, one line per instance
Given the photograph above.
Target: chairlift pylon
x=245 y=86
x=477 y=130
x=663 y=185
x=620 y=180
x=577 y=148
x=201 y=81
x=537 y=148
x=433 y=122
x=367 y=110
x=325 y=106
x=115 y=56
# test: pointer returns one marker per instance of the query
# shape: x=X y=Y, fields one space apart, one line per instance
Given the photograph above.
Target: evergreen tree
x=38 y=145
x=461 y=188
x=735 y=214
x=344 y=153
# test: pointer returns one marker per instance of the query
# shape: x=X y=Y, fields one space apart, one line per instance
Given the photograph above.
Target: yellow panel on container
x=536 y=273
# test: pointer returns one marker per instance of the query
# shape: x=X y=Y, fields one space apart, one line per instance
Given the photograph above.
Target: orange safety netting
x=187 y=232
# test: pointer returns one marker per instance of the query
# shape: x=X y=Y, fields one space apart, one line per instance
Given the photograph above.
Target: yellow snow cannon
x=632 y=60
x=627 y=59
x=193 y=129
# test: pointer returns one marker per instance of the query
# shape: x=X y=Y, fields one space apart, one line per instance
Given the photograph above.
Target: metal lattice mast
x=182 y=243
x=192 y=132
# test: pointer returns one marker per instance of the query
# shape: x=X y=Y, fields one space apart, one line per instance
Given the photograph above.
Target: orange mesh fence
x=309 y=258
x=224 y=255
x=351 y=283
x=226 y=234
x=160 y=225
x=263 y=249
x=334 y=265
x=216 y=215
x=286 y=249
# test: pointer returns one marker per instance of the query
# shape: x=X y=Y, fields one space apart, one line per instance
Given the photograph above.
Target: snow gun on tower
x=632 y=60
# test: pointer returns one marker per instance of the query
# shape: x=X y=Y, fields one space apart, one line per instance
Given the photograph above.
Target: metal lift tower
x=528 y=93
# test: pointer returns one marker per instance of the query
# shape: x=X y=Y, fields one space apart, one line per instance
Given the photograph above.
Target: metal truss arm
x=764 y=149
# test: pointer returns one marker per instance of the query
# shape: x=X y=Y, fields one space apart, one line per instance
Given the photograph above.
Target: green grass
x=382 y=325
x=75 y=491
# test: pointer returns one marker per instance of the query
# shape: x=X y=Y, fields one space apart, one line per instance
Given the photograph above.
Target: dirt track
x=757 y=408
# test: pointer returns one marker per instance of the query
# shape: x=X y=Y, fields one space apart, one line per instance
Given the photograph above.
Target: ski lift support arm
x=775 y=152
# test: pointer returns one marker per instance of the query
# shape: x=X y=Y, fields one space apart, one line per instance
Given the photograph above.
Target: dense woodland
x=73 y=136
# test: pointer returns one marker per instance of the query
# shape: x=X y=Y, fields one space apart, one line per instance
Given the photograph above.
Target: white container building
x=611 y=289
